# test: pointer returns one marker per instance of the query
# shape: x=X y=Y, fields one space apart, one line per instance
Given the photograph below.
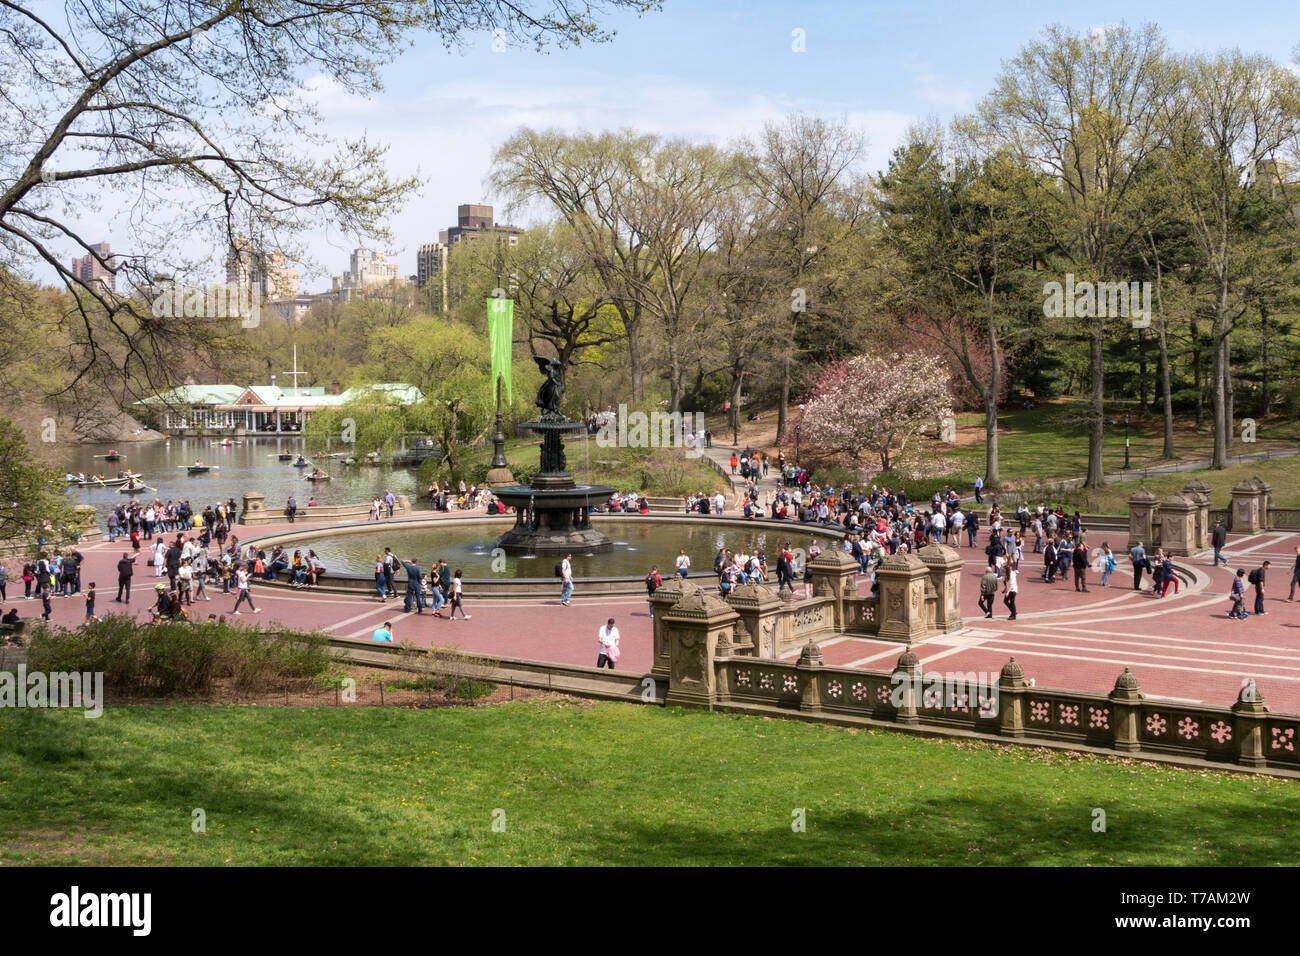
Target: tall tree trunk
x=1198 y=374
x=1166 y=391
x=783 y=409
x=1262 y=409
x=737 y=382
x=1229 y=396
x=1142 y=372
x=991 y=465
x=1218 y=401
x=1096 y=413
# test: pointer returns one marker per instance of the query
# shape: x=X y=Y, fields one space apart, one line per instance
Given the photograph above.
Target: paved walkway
x=1182 y=647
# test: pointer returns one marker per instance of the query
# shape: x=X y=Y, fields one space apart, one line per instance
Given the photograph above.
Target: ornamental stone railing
x=708 y=669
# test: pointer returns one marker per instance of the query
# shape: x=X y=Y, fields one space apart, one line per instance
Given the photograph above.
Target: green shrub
x=180 y=658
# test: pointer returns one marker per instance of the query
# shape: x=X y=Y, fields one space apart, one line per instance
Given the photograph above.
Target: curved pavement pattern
x=1182 y=647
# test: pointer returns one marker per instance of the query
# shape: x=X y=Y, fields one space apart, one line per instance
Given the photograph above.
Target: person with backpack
x=988 y=589
x=564 y=571
x=1256 y=578
x=1107 y=562
x=652 y=584
x=1238 y=595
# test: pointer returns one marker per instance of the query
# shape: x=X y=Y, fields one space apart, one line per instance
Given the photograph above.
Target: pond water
x=637 y=546
x=252 y=465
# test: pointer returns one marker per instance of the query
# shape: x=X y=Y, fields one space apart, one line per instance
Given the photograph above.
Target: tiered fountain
x=552 y=513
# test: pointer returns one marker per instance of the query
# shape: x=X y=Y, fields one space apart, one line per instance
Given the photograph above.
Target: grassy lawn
x=1283 y=474
x=583 y=783
x=1051 y=441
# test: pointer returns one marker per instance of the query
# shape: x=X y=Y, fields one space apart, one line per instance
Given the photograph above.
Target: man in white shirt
x=718 y=502
x=937 y=523
x=955 y=523
x=608 y=636
x=566 y=575
x=683 y=564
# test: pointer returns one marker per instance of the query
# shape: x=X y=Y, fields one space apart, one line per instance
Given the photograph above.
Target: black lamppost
x=1126 y=441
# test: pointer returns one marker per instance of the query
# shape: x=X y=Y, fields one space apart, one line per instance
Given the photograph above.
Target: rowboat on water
x=198 y=469
x=103 y=482
x=132 y=489
x=302 y=463
x=318 y=476
x=286 y=457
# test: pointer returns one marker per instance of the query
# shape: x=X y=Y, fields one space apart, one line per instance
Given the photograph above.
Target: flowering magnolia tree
x=876 y=405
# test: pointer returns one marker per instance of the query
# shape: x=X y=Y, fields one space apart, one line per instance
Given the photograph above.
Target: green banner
x=501 y=330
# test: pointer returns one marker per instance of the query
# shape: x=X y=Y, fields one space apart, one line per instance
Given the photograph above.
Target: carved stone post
x=1200 y=492
x=668 y=594
x=901 y=605
x=254 y=505
x=1012 y=688
x=1248 y=729
x=1264 y=494
x=1126 y=706
x=905 y=688
x=1178 y=525
x=1141 y=517
x=759 y=608
x=693 y=626
x=834 y=573
x=944 y=565
x=810 y=662
x=1245 y=508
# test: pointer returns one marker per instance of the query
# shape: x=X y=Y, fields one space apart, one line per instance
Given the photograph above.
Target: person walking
x=1295 y=573
x=1138 y=555
x=1107 y=562
x=1218 y=538
x=291 y=508
x=241 y=590
x=1257 y=578
x=1167 y=575
x=566 y=580
x=609 y=638
x=456 y=597
x=1011 y=588
x=125 y=570
x=684 y=563
x=436 y=597
x=653 y=581
x=1238 y=595
x=979 y=489
x=988 y=589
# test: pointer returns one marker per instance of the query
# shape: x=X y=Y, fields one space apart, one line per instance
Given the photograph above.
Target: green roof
x=195 y=395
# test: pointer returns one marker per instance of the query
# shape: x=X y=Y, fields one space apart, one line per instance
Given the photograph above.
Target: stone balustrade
x=718 y=654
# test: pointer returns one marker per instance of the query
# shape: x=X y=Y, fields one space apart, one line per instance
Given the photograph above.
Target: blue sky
x=718 y=69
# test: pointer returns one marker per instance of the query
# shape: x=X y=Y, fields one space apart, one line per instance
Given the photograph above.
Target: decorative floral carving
x=1099 y=717
x=742 y=679
x=789 y=683
x=835 y=689
x=1156 y=725
x=1188 y=728
x=883 y=695
x=765 y=681
x=1283 y=738
x=1039 y=710
x=1221 y=732
x=1068 y=714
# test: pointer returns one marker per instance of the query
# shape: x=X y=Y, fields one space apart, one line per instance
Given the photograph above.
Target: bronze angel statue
x=549 y=395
